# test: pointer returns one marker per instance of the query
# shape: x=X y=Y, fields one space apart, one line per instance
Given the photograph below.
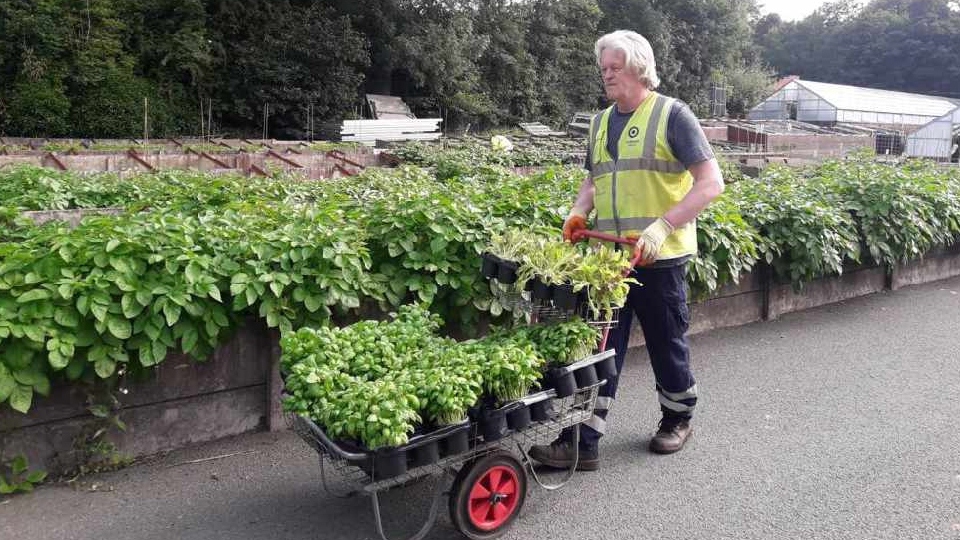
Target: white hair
x=639 y=54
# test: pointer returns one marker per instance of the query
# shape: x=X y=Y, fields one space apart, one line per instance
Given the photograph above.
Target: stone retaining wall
x=183 y=402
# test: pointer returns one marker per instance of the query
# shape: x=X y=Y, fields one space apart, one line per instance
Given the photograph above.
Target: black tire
x=464 y=511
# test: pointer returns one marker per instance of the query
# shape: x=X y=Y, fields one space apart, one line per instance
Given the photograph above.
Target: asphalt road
x=841 y=422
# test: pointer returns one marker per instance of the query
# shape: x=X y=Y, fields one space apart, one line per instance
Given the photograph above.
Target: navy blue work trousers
x=659 y=303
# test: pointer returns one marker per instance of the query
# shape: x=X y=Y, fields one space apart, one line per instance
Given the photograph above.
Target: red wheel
x=487 y=496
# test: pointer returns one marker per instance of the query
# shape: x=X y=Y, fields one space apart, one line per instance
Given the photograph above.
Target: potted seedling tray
x=492 y=421
x=565 y=380
x=540 y=405
x=388 y=462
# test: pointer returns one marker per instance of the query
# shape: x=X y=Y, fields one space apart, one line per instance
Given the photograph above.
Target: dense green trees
x=84 y=67
x=908 y=45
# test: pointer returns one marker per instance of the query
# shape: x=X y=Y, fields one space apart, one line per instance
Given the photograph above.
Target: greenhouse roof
x=855 y=98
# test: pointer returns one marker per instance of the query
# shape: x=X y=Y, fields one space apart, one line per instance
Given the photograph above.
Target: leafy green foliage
x=902 y=213
x=191 y=255
x=20 y=477
x=729 y=247
x=374 y=381
x=809 y=236
x=470 y=155
x=561 y=343
x=599 y=270
x=82 y=69
x=38 y=188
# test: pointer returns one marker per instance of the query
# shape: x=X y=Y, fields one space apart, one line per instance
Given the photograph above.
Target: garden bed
x=184 y=402
x=194 y=255
x=237 y=391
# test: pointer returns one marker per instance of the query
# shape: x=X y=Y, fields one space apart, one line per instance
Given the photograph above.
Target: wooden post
x=136 y=157
x=265 y=119
x=209 y=119
x=146 y=135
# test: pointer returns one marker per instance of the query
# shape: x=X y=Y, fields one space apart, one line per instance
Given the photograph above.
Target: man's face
x=618 y=81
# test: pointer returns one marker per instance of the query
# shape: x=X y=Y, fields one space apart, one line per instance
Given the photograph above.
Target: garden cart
x=482 y=462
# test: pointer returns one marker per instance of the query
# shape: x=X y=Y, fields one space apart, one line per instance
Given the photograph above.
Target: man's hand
x=651 y=240
x=574 y=222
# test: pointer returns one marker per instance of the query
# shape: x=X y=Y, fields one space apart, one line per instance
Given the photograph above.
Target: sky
x=790 y=10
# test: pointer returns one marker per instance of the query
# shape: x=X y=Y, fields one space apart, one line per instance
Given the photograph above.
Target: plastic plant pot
x=518 y=418
x=493 y=424
x=563 y=382
x=507 y=273
x=457 y=442
x=389 y=463
x=541 y=291
x=583 y=304
x=542 y=411
x=426 y=454
x=490 y=266
x=564 y=297
x=606 y=368
x=586 y=376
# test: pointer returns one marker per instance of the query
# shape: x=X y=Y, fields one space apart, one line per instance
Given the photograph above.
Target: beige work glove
x=652 y=239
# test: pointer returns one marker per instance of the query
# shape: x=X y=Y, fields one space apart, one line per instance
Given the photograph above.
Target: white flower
x=499 y=143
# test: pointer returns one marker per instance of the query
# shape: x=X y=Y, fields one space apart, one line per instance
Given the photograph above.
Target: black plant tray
x=382 y=463
x=565 y=380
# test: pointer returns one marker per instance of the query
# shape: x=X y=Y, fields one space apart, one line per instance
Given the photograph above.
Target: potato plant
x=193 y=254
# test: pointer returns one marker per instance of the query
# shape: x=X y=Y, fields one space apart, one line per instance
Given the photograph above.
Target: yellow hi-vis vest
x=645 y=181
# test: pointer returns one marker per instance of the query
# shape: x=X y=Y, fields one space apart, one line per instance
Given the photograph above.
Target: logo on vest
x=634 y=131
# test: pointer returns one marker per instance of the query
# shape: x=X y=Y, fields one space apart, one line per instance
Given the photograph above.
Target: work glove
x=574 y=222
x=652 y=239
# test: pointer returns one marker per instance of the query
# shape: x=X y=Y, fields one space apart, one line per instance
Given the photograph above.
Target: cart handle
x=584 y=234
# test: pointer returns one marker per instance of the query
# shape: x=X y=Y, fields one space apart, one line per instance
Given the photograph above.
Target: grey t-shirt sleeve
x=685 y=136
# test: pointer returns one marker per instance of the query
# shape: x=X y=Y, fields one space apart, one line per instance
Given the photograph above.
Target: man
x=652 y=172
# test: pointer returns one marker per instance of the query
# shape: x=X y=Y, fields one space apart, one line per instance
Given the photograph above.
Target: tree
x=439 y=55
x=691 y=39
x=285 y=54
x=37 y=108
x=909 y=45
x=33 y=46
x=560 y=38
x=508 y=73
x=747 y=85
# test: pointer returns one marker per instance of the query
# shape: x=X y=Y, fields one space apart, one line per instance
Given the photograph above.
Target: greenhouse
x=824 y=103
x=937 y=139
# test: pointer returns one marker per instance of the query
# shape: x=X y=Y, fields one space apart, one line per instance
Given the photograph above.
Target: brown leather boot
x=671 y=435
x=560 y=455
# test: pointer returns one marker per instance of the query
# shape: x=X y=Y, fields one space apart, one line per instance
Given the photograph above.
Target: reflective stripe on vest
x=645 y=181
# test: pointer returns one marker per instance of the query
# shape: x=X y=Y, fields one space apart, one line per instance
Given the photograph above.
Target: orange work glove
x=574 y=222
